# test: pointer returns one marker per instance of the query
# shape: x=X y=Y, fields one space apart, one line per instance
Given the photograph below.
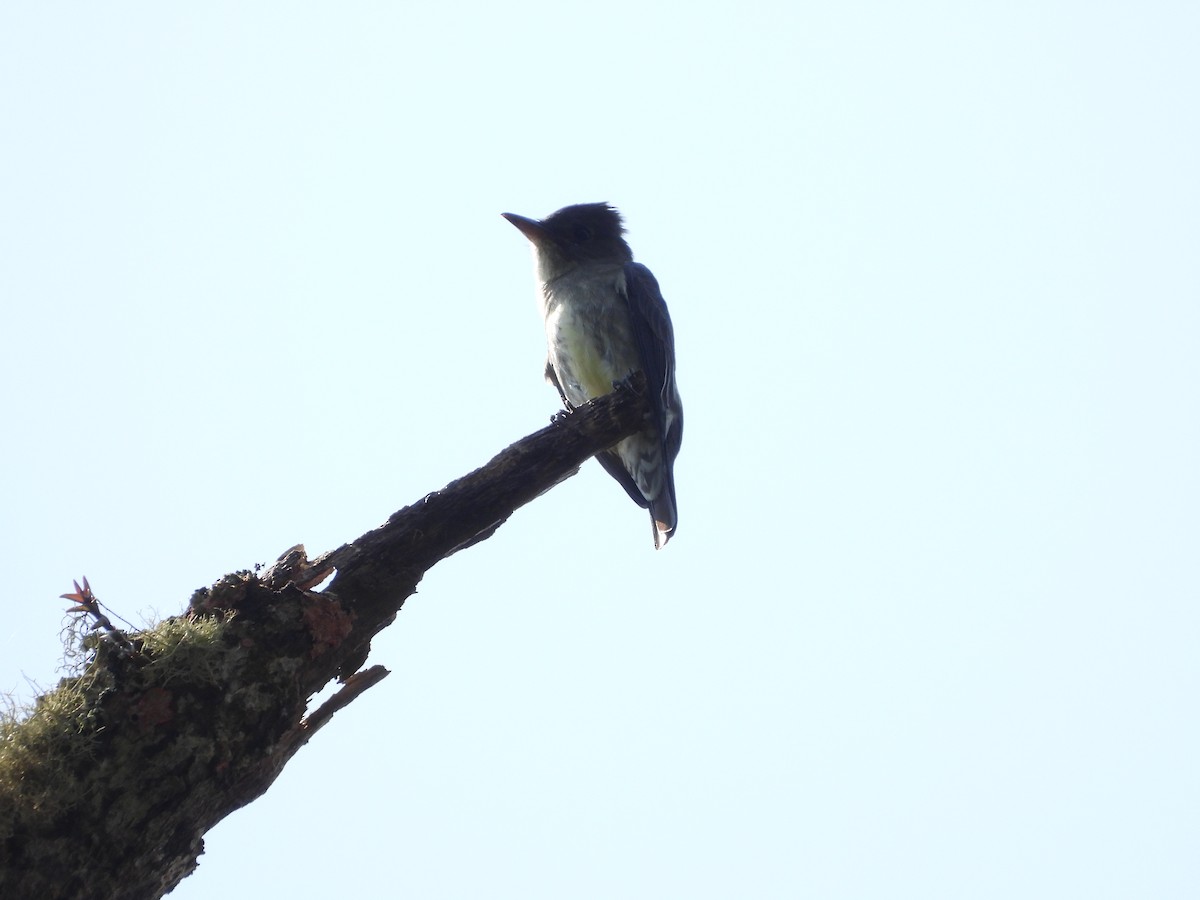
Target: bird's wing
x=652 y=332
x=655 y=340
x=614 y=467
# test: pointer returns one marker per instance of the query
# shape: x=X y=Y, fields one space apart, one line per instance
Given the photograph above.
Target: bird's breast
x=591 y=344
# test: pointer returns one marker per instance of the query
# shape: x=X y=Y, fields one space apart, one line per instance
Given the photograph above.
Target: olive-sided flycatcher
x=606 y=319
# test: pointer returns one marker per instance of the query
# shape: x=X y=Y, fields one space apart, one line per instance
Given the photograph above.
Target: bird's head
x=573 y=236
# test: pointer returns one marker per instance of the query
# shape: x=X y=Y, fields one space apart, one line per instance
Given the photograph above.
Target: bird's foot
x=634 y=383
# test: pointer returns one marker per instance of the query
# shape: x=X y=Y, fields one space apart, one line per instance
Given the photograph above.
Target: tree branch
x=108 y=785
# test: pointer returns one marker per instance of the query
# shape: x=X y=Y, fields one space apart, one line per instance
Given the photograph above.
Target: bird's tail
x=663 y=515
x=652 y=476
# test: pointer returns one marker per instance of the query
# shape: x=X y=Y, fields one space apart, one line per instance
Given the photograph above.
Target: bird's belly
x=589 y=352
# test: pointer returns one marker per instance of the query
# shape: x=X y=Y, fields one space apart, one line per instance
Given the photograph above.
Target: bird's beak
x=531 y=228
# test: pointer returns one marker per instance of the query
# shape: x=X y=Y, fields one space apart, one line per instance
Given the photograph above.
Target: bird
x=606 y=319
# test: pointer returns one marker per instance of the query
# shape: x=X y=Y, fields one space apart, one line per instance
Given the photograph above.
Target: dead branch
x=110 y=782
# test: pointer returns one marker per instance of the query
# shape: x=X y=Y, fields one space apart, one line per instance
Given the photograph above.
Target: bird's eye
x=582 y=233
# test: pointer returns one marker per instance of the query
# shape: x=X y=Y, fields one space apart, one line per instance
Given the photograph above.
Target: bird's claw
x=634 y=383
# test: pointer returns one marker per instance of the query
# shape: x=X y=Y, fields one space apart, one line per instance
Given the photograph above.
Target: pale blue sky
x=929 y=627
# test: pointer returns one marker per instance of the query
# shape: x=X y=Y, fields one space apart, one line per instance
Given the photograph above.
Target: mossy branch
x=109 y=783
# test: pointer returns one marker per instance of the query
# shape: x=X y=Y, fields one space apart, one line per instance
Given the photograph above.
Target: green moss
x=41 y=748
x=46 y=749
x=188 y=648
